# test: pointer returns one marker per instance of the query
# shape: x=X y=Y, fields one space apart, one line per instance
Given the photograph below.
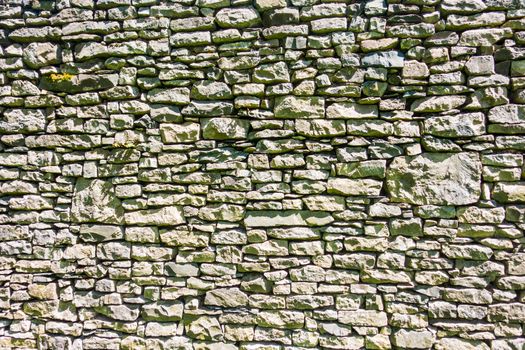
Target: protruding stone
x=435 y=178
x=94 y=200
x=224 y=128
x=292 y=107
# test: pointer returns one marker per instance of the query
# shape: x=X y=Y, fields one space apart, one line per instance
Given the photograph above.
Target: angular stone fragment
x=165 y=216
x=385 y=276
x=237 y=17
x=119 y=312
x=203 y=328
x=480 y=65
x=475 y=215
x=467 y=295
x=415 y=70
x=467 y=251
x=484 y=37
x=283 y=31
x=78 y=83
x=320 y=127
x=180 y=133
x=351 y=187
x=509 y=113
x=221 y=212
x=512 y=312
x=171 y=96
x=271 y=73
x=238 y=62
x=437 y=103
x=208 y=108
x=226 y=297
x=411 y=30
x=324 y=203
x=370 y=168
x=509 y=192
x=163 y=311
x=190 y=39
x=369 y=127
x=459 y=125
x=23 y=121
x=286 y=218
x=435 y=178
x=300 y=233
x=94 y=200
x=282 y=319
x=350 y=110
x=224 y=128
x=211 y=90
x=291 y=107
x=379 y=44
x=363 y=318
x=463 y=6
x=413 y=339
x=458 y=343
x=386 y=59
x=114 y=251
x=268 y=248
x=100 y=233
x=38 y=55
x=14 y=232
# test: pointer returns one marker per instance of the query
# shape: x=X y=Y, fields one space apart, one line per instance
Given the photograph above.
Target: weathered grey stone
x=437 y=104
x=286 y=218
x=471 y=252
x=320 y=127
x=78 y=83
x=280 y=319
x=299 y=107
x=226 y=297
x=99 y=233
x=457 y=343
x=367 y=318
x=166 y=216
x=459 y=125
x=162 y=311
x=484 y=37
x=38 y=55
x=173 y=96
x=224 y=128
x=388 y=59
x=509 y=192
x=203 y=328
x=446 y=179
x=208 y=108
x=180 y=133
x=22 y=121
x=413 y=339
x=238 y=17
x=190 y=39
x=351 y=187
x=271 y=73
x=211 y=90
x=94 y=200
x=349 y=110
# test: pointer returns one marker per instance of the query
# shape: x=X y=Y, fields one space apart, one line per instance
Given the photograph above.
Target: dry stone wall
x=262 y=175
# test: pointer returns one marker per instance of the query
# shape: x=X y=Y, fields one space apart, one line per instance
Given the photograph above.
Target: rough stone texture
x=262 y=175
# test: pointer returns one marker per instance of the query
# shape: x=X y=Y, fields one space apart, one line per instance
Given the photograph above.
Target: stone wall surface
x=262 y=175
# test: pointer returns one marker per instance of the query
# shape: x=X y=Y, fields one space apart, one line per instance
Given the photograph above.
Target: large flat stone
x=299 y=107
x=94 y=200
x=435 y=178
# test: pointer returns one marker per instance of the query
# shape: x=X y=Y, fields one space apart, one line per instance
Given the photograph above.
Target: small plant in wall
x=56 y=77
